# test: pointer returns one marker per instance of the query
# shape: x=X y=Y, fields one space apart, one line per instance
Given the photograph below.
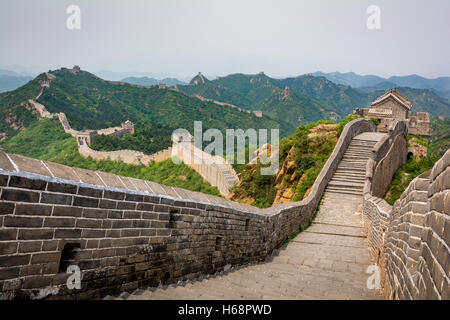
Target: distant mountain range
x=146 y=81
x=118 y=76
x=10 y=80
x=440 y=85
x=90 y=102
x=306 y=98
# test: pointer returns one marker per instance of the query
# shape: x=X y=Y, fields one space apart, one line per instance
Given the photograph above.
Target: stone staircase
x=350 y=173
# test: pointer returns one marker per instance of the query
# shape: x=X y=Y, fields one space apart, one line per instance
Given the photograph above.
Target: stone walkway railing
x=408 y=241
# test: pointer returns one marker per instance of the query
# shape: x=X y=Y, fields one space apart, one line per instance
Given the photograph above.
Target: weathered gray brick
x=14 y=260
x=34 y=234
x=114 y=195
x=90 y=192
x=27 y=222
x=107 y=204
x=95 y=213
x=67 y=222
x=62 y=187
x=20 y=195
x=45 y=257
x=6 y=208
x=8 y=247
x=56 y=198
x=9 y=273
x=30 y=246
x=67 y=233
x=85 y=202
x=67 y=211
x=26 y=183
x=93 y=233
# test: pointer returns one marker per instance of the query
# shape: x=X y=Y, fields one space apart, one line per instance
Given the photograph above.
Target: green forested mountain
x=92 y=103
x=337 y=99
x=440 y=136
x=303 y=99
x=260 y=92
x=440 y=84
x=14 y=114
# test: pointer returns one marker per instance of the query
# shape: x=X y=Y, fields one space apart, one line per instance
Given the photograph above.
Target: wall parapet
x=409 y=241
x=388 y=155
x=126 y=233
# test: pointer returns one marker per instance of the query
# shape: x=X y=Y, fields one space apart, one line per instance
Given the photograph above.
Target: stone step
x=361 y=146
x=352 y=168
x=351 y=165
x=356 y=162
x=345 y=175
x=362 y=153
x=358 y=147
x=342 y=191
x=349 y=174
x=366 y=142
x=357 y=154
x=346 y=184
x=361 y=150
x=353 y=161
x=350 y=171
x=344 y=179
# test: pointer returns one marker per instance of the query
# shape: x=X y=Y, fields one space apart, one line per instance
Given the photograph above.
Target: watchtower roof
x=395 y=94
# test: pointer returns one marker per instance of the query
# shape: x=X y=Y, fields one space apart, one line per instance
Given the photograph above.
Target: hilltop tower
x=394 y=106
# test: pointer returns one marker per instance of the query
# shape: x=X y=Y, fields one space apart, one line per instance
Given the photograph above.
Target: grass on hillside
x=440 y=136
x=309 y=155
x=406 y=173
x=46 y=140
x=439 y=144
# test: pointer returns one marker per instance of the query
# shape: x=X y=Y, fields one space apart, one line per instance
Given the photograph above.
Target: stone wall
x=410 y=241
x=127 y=156
x=419 y=124
x=126 y=233
x=389 y=154
x=214 y=169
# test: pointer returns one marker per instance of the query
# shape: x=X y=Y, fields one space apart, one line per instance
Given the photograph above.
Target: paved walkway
x=326 y=261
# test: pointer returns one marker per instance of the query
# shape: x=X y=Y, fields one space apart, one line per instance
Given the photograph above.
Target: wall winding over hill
x=126 y=233
x=410 y=241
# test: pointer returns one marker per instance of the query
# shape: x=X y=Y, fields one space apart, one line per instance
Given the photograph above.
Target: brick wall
x=389 y=154
x=410 y=241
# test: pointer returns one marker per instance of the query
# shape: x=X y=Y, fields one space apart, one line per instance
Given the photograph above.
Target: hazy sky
x=218 y=37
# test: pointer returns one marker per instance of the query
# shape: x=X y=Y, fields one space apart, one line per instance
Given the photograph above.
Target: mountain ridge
x=313 y=97
x=439 y=84
x=90 y=102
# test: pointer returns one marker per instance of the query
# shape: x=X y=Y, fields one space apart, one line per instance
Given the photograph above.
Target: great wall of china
x=128 y=234
x=215 y=170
